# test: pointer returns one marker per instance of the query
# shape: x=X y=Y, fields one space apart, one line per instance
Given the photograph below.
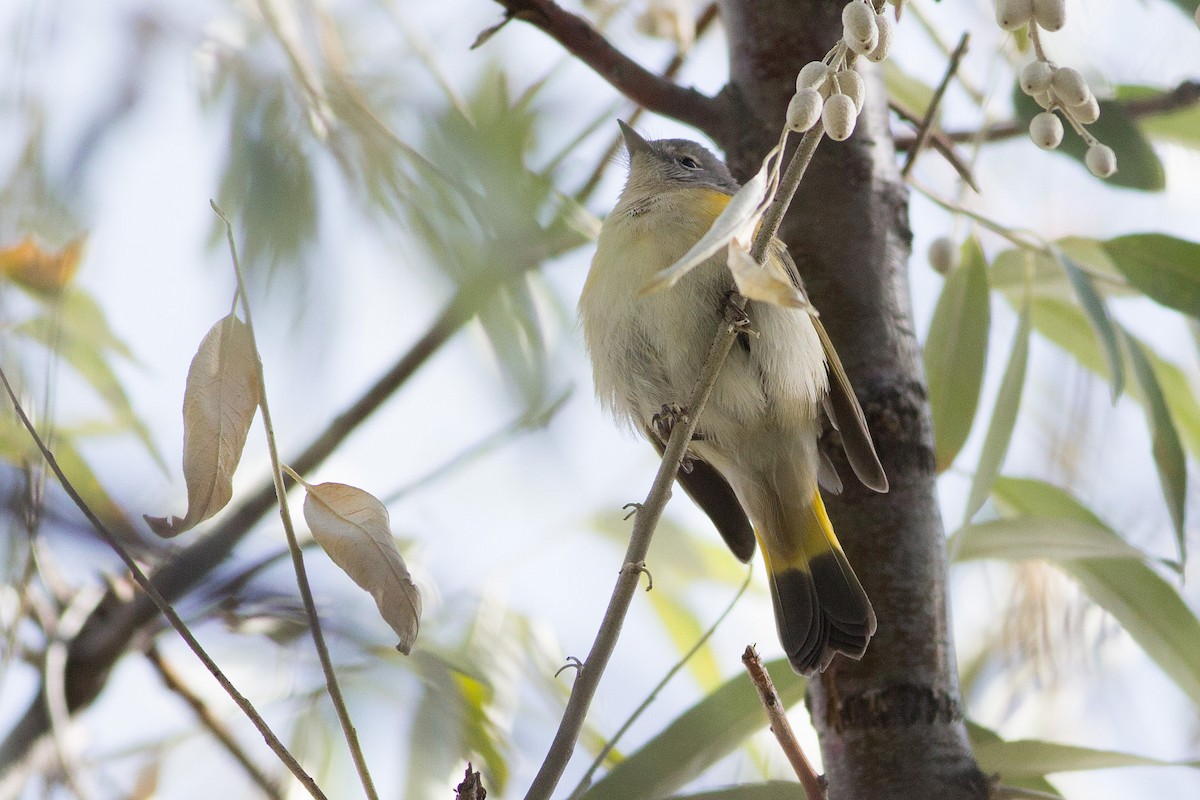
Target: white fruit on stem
x=859 y=29
x=839 y=116
x=1070 y=86
x=1088 y=112
x=1100 y=159
x=1035 y=77
x=1050 y=14
x=1045 y=100
x=1046 y=130
x=1013 y=14
x=943 y=255
x=804 y=109
x=884 y=46
x=812 y=75
x=850 y=83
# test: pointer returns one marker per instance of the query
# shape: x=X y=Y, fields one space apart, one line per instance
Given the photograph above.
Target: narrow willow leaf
x=742 y=213
x=1047 y=538
x=1138 y=598
x=1012 y=269
x=1180 y=126
x=956 y=353
x=1004 y=417
x=685 y=630
x=766 y=282
x=1101 y=321
x=352 y=527
x=982 y=738
x=1065 y=325
x=1166 y=447
x=1165 y=268
x=696 y=739
x=1026 y=758
x=771 y=790
x=219 y=402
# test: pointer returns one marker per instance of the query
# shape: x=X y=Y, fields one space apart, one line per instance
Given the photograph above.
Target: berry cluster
x=1060 y=89
x=830 y=90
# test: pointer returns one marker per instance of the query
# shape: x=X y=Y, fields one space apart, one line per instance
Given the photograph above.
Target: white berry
x=804 y=109
x=1035 y=77
x=1070 y=86
x=1050 y=14
x=850 y=83
x=943 y=255
x=1013 y=14
x=859 y=29
x=839 y=116
x=1088 y=112
x=1101 y=161
x=884 y=45
x=812 y=75
x=1045 y=100
x=1046 y=130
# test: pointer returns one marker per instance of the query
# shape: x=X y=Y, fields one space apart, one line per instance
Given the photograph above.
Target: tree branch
x=814 y=784
x=1185 y=95
x=624 y=74
x=106 y=635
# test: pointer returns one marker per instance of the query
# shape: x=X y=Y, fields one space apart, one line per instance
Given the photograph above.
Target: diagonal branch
x=639 y=84
x=1183 y=96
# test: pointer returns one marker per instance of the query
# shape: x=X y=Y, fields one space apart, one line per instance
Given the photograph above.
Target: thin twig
x=586 y=780
x=210 y=721
x=814 y=784
x=162 y=605
x=939 y=142
x=935 y=102
x=651 y=509
x=706 y=18
x=471 y=787
x=310 y=607
x=624 y=74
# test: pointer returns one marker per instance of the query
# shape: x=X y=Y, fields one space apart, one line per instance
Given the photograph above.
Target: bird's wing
x=841 y=404
x=709 y=490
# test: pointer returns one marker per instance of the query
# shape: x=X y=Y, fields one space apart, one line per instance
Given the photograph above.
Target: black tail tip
x=821 y=614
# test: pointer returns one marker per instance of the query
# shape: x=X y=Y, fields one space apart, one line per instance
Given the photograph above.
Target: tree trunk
x=891 y=726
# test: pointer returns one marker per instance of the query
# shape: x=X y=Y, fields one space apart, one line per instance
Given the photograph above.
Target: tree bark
x=890 y=725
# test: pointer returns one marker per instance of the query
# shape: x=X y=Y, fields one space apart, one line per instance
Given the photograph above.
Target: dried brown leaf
x=352 y=527
x=219 y=402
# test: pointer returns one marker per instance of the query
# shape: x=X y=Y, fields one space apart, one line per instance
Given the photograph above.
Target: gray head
x=678 y=163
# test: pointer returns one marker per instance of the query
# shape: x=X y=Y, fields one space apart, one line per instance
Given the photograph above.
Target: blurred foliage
x=316 y=126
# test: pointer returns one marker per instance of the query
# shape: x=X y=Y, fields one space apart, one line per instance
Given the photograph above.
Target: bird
x=754 y=465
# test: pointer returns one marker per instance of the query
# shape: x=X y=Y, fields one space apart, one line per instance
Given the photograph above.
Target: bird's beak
x=633 y=142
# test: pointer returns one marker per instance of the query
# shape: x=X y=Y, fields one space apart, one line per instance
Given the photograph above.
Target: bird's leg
x=665 y=421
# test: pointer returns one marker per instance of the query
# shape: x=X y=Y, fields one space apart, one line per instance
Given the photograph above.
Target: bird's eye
x=688 y=163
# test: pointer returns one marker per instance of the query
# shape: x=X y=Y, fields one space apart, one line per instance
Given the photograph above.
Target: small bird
x=754 y=463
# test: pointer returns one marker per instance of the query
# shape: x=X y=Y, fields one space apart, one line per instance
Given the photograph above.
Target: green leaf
x=1138 y=167
x=696 y=739
x=1181 y=126
x=1065 y=325
x=685 y=630
x=81 y=476
x=982 y=738
x=90 y=364
x=956 y=353
x=1004 y=417
x=1097 y=313
x=1165 y=268
x=1046 y=275
x=771 y=790
x=1146 y=606
x=1166 y=447
x=1027 y=537
x=1032 y=758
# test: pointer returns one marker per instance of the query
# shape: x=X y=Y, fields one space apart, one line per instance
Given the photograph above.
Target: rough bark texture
x=891 y=725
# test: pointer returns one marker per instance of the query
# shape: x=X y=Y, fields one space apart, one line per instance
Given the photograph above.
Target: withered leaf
x=352 y=527
x=219 y=402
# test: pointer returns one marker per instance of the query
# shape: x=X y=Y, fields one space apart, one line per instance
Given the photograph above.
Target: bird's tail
x=820 y=607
